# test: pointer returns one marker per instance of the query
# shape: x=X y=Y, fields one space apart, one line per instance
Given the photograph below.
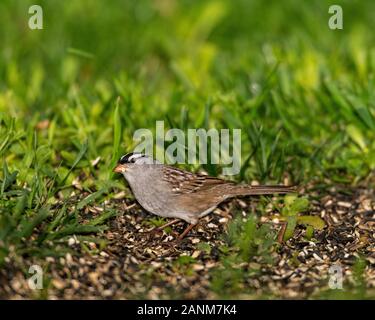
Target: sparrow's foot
x=186 y=231
x=180 y=239
x=152 y=233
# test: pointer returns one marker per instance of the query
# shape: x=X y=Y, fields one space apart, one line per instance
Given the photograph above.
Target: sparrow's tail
x=246 y=190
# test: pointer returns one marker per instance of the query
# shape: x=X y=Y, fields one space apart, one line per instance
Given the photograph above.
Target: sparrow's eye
x=124 y=159
x=130 y=158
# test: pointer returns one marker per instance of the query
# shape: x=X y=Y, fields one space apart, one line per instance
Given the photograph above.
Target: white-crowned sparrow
x=173 y=193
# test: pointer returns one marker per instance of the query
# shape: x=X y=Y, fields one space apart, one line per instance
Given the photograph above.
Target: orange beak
x=120 y=168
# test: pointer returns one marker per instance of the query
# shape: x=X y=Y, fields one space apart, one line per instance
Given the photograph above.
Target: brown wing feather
x=201 y=192
x=186 y=182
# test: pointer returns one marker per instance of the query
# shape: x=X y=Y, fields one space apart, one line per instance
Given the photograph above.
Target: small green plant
x=155 y=221
x=359 y=269
x=183 y=265
x=204 y=247
x=293 y=206
x=246 y=239
x=250 y=239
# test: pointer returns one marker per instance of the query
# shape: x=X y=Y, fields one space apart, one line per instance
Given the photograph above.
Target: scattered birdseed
x=135 y=264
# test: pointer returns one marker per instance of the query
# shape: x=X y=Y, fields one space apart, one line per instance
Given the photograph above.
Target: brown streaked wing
x=183 y=182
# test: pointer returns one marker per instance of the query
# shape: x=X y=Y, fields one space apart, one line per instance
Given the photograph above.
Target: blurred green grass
x=272 y=69
x=302 y=94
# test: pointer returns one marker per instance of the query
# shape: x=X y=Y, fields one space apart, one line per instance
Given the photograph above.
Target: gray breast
x=150 y=190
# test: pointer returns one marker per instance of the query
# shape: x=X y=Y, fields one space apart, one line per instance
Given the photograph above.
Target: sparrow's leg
x=159 y=229
x=175 y=243
x=280 y=236
x=187 y=230
x=168 y=224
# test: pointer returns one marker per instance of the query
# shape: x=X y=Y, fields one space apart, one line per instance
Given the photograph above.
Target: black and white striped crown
x=137 y=158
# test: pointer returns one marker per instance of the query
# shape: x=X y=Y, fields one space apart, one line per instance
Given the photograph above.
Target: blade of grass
x=76 y=161
x=102 y=218
x=90 y=198
x=27 y=226
x=8 y=178
x=75 y=229
x=117 y=133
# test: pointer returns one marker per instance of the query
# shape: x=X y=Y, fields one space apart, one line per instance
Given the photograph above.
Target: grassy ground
x=72 y=95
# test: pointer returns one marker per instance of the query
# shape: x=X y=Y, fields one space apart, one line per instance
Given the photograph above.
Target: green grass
x=77 y=90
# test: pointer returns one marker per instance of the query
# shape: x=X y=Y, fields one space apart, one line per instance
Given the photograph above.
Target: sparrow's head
x=130 y=160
